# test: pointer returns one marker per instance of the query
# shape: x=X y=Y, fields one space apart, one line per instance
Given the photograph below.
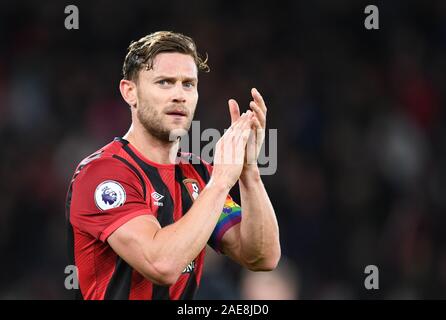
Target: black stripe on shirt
x=143 y=184
x=186 y=201
x=198 y=165
x=165 y=212
x=119 y=286
x=201 y=169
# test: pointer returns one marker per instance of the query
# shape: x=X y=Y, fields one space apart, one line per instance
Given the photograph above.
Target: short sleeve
x=230 y=216
x=105 y=195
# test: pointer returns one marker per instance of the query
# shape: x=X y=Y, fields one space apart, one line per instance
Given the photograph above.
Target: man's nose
x=179 y=95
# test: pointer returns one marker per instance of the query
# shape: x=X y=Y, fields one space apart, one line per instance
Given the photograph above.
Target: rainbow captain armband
x=230 y=216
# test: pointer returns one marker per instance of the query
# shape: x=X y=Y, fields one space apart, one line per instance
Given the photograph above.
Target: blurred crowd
x=360 y=114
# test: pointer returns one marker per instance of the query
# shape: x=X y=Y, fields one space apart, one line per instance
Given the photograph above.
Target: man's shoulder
x=102 y=158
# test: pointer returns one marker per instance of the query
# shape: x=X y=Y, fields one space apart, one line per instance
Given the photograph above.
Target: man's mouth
x=178 y=113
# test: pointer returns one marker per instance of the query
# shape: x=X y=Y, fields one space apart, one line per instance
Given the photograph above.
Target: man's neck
x=151 y=147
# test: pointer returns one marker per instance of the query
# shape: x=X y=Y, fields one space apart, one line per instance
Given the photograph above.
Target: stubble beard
x=152 y=121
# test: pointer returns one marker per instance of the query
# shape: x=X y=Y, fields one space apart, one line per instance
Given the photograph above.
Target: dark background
x=361 y=133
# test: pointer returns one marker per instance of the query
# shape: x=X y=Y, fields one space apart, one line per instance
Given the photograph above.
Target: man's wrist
x=250 y=172
x=218 y=185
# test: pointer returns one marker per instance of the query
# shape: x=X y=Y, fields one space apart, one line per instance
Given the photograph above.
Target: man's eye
x=163 y=82
x=189 y=84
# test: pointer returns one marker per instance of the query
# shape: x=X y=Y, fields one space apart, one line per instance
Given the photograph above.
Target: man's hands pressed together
x=257 y=135
x=230 y=152
x=254 y=242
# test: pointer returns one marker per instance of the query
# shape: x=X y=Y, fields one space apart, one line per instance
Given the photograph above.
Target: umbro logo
x=157 y=197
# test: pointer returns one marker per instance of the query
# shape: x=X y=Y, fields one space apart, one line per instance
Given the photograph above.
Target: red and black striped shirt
x=116 y=184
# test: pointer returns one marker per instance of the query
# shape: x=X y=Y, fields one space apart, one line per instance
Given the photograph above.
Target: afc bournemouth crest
x=192 y=187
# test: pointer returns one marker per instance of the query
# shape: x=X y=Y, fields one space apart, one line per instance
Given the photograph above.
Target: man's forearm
x=182 y=241
x=259 y=231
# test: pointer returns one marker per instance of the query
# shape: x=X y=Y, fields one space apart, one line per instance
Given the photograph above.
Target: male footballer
x=138 y=221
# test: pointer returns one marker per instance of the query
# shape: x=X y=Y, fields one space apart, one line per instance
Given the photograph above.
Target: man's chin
x=177 y=131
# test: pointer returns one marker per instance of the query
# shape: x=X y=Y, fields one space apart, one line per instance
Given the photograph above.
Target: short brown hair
x=142 y=52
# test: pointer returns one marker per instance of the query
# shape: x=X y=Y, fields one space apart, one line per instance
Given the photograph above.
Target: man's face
x=167 y=94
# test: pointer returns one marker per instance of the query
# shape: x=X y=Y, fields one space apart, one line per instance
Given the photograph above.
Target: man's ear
x=128 y=91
